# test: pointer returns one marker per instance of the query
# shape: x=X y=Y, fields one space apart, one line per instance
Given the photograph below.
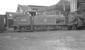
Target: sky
x=11 y=5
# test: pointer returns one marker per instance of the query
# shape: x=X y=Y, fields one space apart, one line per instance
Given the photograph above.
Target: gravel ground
x=50 y=40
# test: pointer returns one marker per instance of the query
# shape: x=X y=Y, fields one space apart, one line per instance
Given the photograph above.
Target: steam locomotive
x=42 y=18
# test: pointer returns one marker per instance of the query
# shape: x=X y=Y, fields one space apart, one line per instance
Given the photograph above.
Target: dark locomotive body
x=30 y=22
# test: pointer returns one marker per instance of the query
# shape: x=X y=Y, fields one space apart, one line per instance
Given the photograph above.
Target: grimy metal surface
x=49 y=20
x=55 y=40
x=22 y=20
x=18 y=18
